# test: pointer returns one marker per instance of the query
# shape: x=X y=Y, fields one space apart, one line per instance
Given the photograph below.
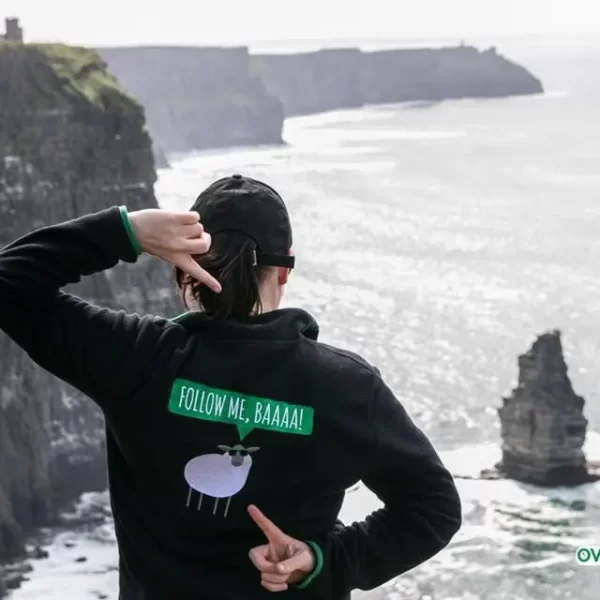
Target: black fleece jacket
x=204 y=417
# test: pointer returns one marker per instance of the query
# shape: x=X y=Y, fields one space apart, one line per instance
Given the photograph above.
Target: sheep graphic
x=218 y=475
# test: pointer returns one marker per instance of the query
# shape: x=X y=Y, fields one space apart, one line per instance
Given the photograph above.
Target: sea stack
x=71 y=142
x=543 y=427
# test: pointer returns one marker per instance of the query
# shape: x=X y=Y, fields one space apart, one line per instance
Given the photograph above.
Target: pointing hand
x=283 y=560
x=174 y=236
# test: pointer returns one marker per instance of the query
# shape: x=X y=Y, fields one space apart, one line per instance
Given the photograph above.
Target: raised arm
x=102 y=352
x=421 y=513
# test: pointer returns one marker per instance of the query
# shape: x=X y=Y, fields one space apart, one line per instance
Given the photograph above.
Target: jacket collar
x=277 y=325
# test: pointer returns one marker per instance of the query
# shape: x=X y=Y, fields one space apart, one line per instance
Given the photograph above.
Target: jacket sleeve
x=102 y=352
x=421 y=512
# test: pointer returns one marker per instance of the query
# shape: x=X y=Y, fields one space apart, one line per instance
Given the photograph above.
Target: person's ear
x=283 y=274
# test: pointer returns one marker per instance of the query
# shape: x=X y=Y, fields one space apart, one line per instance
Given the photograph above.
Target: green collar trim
x=180 y=317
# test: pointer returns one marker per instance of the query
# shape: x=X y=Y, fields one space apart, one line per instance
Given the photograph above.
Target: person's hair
x=230 y=261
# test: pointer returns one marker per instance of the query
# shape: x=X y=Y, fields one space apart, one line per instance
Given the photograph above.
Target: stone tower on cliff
x=542 y=422
x=14 y=33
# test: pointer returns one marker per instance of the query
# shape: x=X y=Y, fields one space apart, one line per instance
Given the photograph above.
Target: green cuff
x=129 y=229
x=318 y=565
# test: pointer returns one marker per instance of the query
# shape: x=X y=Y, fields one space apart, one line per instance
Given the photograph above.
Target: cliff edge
x=71 y=142
x=314 y=82
x=198 y=97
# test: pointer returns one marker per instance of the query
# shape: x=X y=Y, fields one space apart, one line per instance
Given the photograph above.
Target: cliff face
x=428 y=74
x=71 y=142
x=313 y=82
x=542 y=423
x=198 y=97
x=320 y=81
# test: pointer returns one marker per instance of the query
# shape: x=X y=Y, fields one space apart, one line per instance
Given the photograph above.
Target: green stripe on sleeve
x=129 y=229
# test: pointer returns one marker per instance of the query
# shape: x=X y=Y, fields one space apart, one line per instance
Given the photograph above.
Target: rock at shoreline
x=160 y=157
x=71 y=142
x=542 y=422
x=39 y=553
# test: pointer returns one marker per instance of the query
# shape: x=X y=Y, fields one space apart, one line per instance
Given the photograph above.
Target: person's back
x=232 y=405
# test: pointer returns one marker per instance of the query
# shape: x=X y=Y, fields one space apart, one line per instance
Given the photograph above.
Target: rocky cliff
x=542 y=422
x=320 y=81
x=71 y=142
x=314 y=82
x=442 y=74
x=198 y=97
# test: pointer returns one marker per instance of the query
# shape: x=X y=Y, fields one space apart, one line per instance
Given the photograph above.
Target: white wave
x=372 y=166
x=554 y=94
x=64 y=575
x=360 y=135
x=469 y=461
x=350 y=115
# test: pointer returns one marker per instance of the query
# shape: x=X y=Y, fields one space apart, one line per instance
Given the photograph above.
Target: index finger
x=188 y=265
x=271 y=531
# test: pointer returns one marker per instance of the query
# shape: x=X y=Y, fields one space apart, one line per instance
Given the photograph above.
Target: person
x=232 y=433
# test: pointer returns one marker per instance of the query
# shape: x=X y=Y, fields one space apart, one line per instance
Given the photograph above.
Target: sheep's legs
x=215 y=506
x=227 y=507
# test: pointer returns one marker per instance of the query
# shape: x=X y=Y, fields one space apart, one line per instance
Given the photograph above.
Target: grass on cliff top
x=82 y=75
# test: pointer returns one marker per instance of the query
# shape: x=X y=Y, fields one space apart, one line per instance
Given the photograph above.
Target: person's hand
x=283 y=560
x=174 y=236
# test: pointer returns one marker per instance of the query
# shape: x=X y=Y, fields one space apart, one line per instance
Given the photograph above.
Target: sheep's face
x=237 y=453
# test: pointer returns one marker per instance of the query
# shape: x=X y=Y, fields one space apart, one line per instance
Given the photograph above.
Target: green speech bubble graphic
x=199 y=401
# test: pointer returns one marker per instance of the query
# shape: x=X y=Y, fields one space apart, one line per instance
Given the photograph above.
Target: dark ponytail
x=230 y=261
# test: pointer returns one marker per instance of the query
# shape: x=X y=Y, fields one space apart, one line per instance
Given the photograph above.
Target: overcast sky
x=200 y=22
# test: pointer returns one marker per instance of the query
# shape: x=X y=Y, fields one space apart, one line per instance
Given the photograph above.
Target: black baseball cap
x=251 y=207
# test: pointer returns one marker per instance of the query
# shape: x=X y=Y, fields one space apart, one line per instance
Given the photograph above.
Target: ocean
x=437 y=240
